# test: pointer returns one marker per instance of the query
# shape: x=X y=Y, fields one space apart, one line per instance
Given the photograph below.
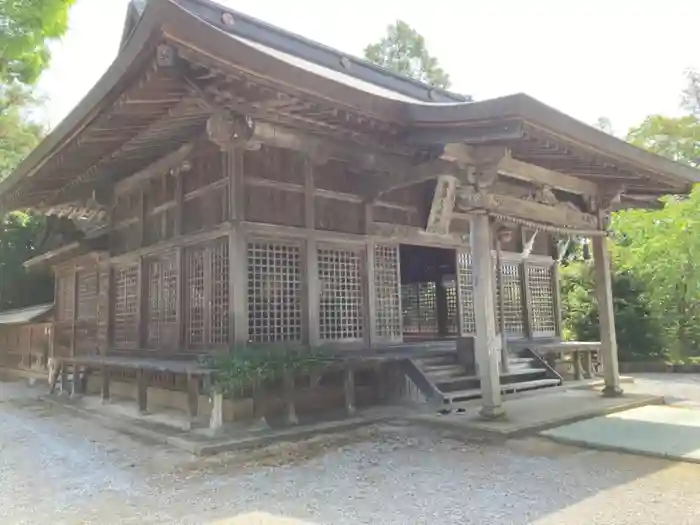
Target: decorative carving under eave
x=544 y=195
x=482 y=170
x=443 y=205
x=604 y=201
x=227 y=129
x=166 y=55
x=542 y=207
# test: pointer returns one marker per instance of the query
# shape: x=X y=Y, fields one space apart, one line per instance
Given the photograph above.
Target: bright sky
x=623 y=59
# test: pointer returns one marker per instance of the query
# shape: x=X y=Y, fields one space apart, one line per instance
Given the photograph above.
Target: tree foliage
x=18 y=234
x=18 y=135
x=662 y=247
x=26 y=28
x=675 y=138
x=639 y=335
x=655 y=254
x=404 y=51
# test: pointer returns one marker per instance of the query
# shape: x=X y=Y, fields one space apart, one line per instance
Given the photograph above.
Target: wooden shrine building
x=228 y=183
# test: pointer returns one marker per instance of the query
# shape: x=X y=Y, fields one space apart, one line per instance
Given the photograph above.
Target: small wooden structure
x=228 y=183
x=26 y=337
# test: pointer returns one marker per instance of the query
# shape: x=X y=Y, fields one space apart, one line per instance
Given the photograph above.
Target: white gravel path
x=58 y=468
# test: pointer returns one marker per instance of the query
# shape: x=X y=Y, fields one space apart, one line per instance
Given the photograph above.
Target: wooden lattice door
x=206 y=306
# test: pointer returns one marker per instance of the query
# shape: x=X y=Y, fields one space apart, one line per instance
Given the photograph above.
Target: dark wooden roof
x=181 y=59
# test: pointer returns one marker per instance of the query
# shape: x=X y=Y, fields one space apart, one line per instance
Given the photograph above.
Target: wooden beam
x=170 y=161
x=442 y=206
x=467 y=155
x=542 y=176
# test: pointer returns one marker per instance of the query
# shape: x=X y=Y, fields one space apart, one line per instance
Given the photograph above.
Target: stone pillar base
x=612 y=391
x=492 y=412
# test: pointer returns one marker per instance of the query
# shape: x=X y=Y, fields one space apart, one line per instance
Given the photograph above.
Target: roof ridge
x=246 y=26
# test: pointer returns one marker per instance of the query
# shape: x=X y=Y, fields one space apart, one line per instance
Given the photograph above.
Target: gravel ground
x=56 y=467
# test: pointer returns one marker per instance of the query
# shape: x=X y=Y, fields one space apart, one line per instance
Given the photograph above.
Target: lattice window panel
x=162 y=300
x=207 y=294
x=126 y=297
x=87 y=295
x=541 y=287
x=419 y=303
x=66 y=297
x=196 y=300
x=341 y=315
x=452 y=312
x=274 y=292
x=219 y=289
x=466 y=292
x=512 y=300
x=387 y=292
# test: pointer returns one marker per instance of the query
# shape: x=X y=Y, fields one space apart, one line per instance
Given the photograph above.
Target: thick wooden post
x=349 y=387
x=311 y=287
x=142 y=391
x=216 y=421
x=192 y=397
x=104 y=376
x=487 y=343
x=603 y=288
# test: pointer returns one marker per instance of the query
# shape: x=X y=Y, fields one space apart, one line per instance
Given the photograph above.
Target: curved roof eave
x=92 y=103
x=530 y=110
x=187 y=29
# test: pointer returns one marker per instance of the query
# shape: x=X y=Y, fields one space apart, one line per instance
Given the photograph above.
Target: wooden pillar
x=216 y=422
x=75 y=312
x=104 y=292
x=603 y=288
x=142 y=391
x=487 y=343
x=192 y=396
x=369 y=290
x=311 y=288
x=349 y=385
x=104 y=373
x=289 y=398
x=238 y=247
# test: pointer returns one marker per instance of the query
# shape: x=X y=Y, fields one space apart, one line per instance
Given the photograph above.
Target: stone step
x=475 y=393
x=436 y=374
x=523 y=374
x=438 y=360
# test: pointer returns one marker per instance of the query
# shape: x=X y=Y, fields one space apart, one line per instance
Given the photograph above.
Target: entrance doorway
x=428 y=292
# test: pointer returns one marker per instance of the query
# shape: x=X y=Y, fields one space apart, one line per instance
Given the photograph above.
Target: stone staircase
x=446 y=380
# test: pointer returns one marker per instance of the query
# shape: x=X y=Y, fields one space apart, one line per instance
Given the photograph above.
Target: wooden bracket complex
x=227 y=129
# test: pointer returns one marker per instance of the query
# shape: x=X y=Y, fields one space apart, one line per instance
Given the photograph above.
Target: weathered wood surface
x=137 y=363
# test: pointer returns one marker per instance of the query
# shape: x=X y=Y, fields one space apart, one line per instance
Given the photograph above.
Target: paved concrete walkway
x=536 y=411
x=664 y=431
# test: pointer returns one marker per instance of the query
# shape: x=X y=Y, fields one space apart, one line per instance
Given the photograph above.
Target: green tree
x=639 y=335
x=26 y=30
x=27 y=27
x=18 y=135
x=662 y=248
x=675 y=138
x=18 y=234
x=403 y=50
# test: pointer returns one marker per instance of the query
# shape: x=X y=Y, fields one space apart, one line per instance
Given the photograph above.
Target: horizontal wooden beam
x=164 y=164
x=510 y=167
x=542 y=176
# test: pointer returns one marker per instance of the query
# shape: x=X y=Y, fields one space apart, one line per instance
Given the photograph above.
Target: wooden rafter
x=178 y=110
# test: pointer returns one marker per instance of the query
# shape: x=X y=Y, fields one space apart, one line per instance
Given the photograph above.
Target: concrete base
x=170 y=427
x=535 y=412
x=662 y=431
